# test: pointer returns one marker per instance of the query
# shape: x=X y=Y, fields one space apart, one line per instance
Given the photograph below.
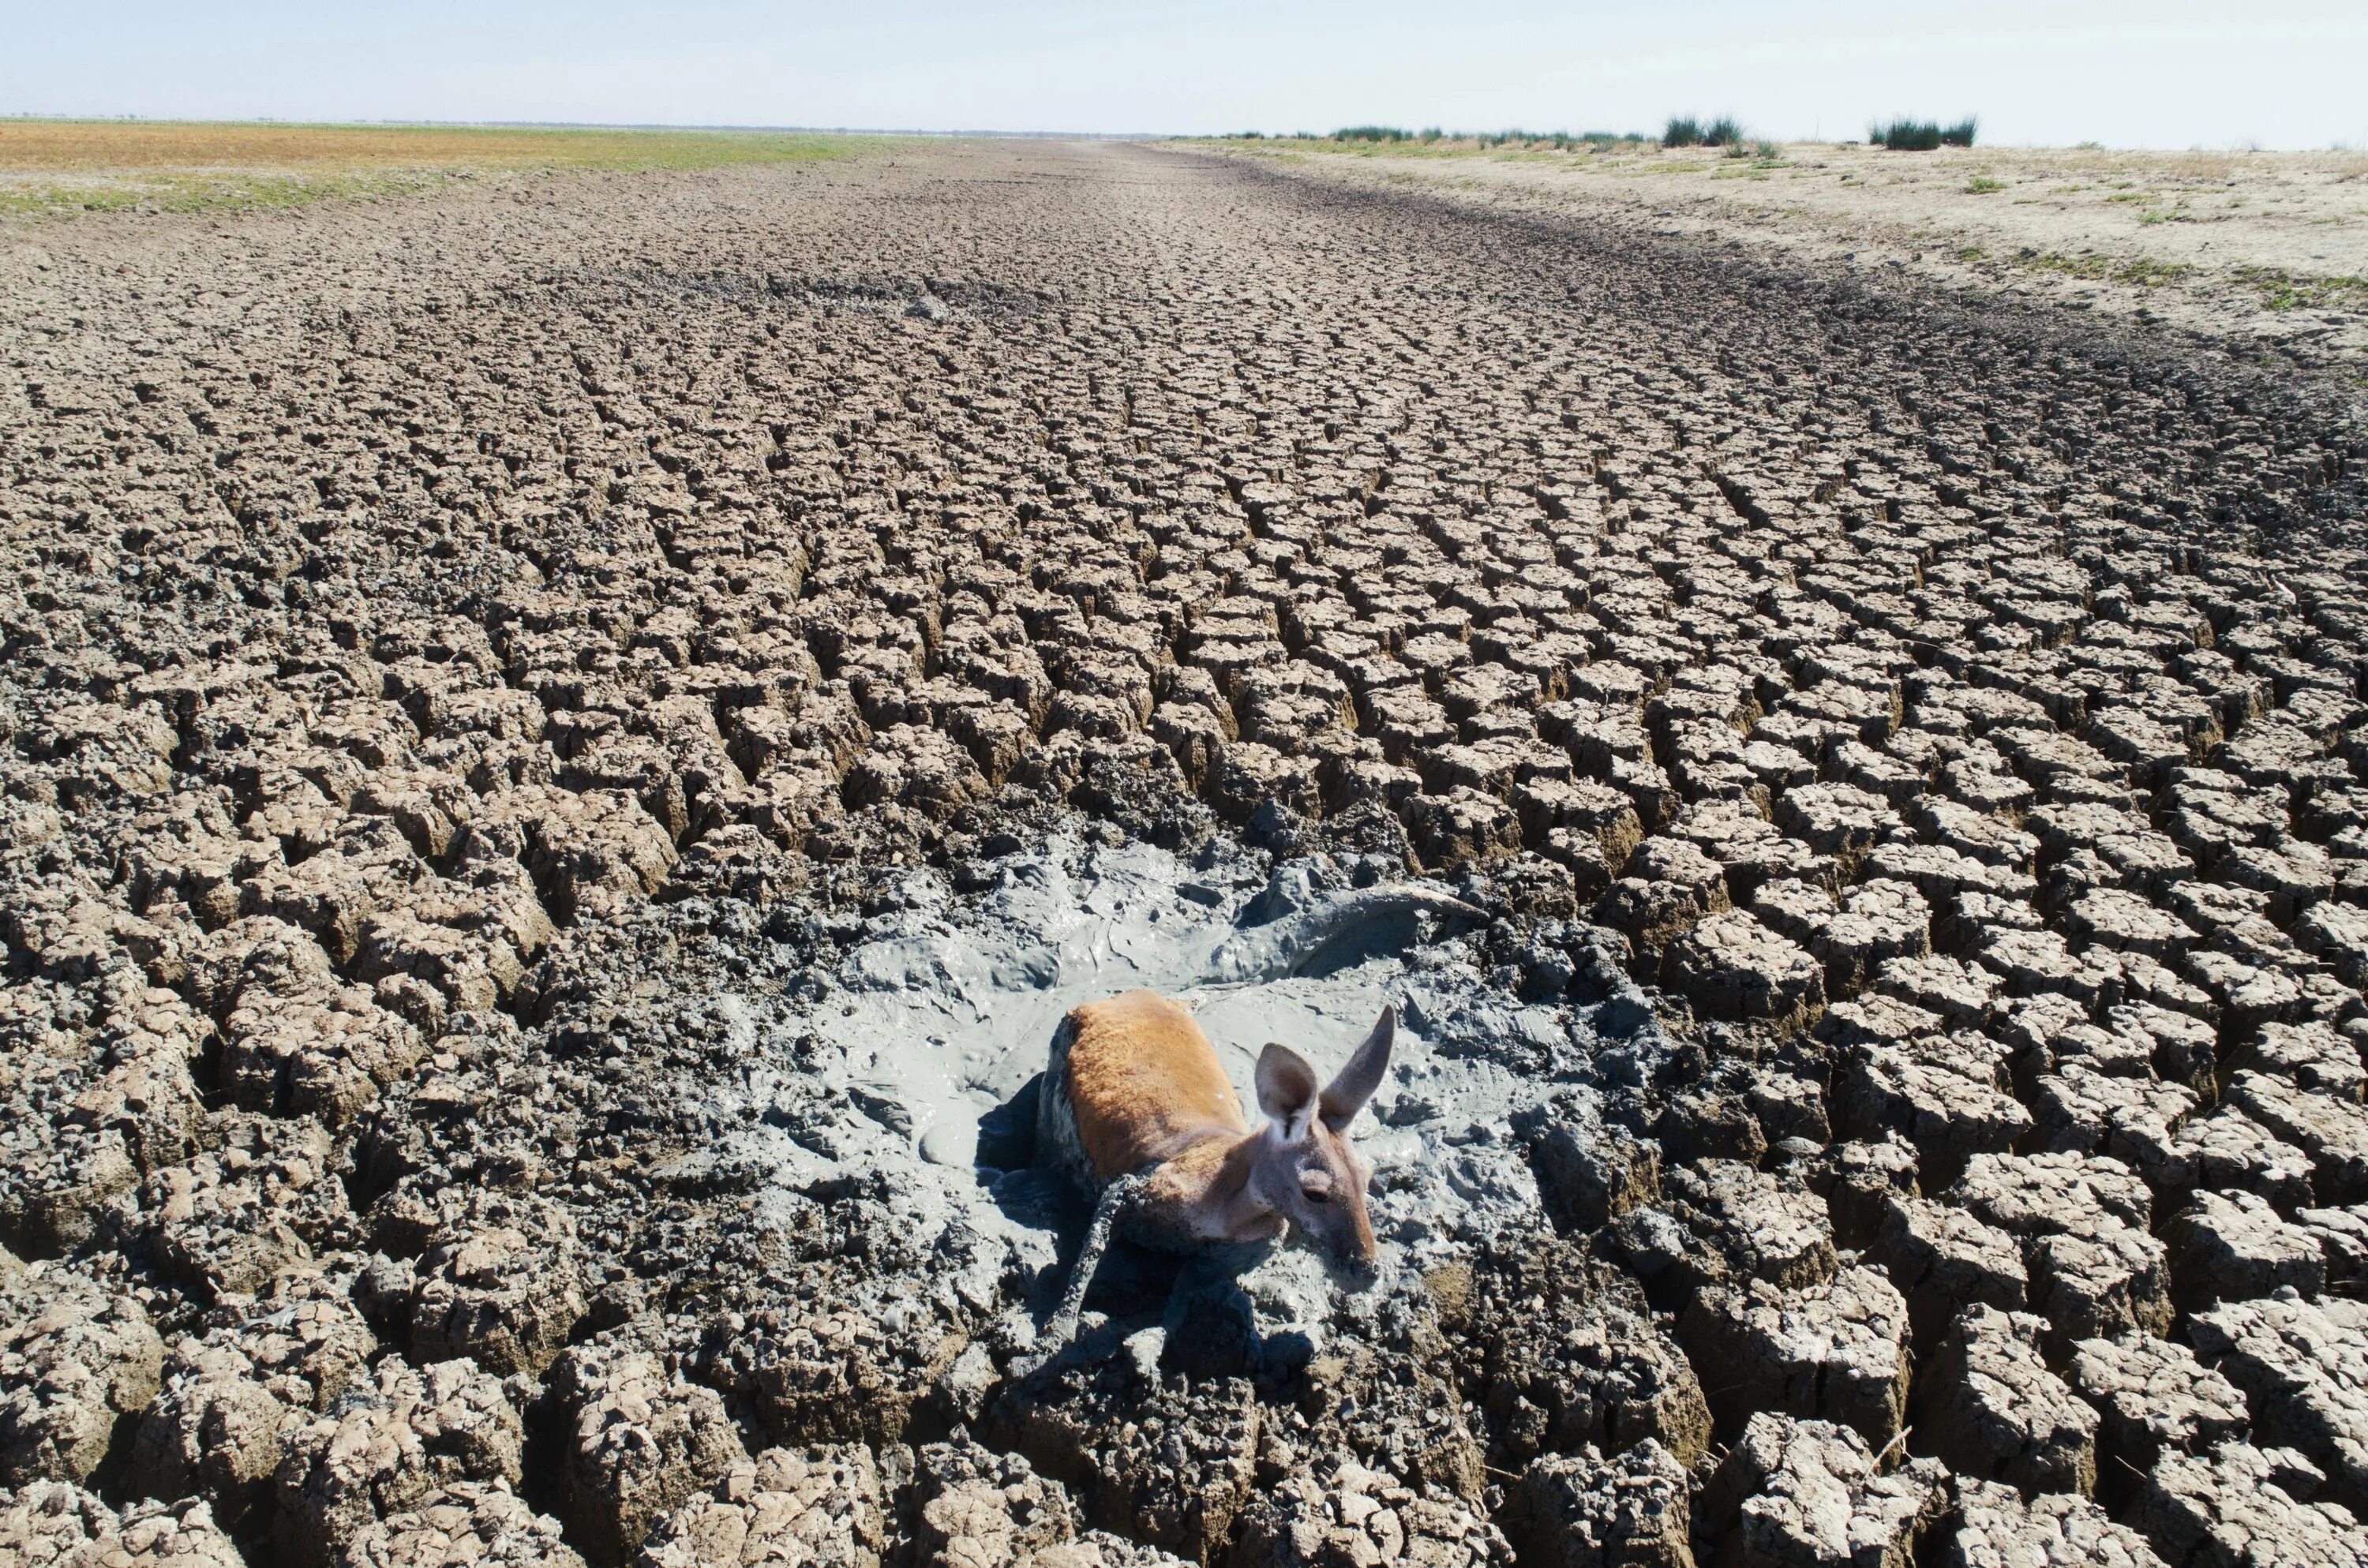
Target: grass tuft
x=1372 y=133
x=1982 y=184
x=1682 y=130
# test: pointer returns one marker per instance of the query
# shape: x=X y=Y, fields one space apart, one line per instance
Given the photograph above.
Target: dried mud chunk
x=1558 y=1360
x=384 y=1446
x=1164 y=1461
x=213 y=1432
x=979 y=1509
x=1836 y=1351
x=1589 y=826
x=915 y=768
x=987 y=1509
x=1948 y=1106
x=78 y=1362
x=1944 y=1260
x=823 y=1508
x=2038 y=1195
x=1860 y=1180
x=465 y=1525
x=1361 y=1518
x=1809 y=1495
x=1586 y=1511
x=2337 y=933
x=498 y=1283
x=2225 y=1510
x=57 y=1182
x=2342 y=1238
x=2311 y=1056
x=56 y=1524
x=2333 y=1133
x=1837 y=820
x=1735 y=969
x=2110 y=917
x=2113 y=1282
x=2155 y=1397
x=2305 y=1368
x=2233 y=1247
x=1652 y=914
x=641 y=1443
x=325 y=1052
x=2231 y=1153
x=2132 y=1120
x=828 y=1375
x=1993 y=1411
x=1462 y=827
x=1997 y=1528
x=1591 y=1172
x=1762 y=1226
x=255 y=1202
x=591 y=850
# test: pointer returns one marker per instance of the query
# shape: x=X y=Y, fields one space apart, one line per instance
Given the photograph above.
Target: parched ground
x=466 y=658
x=2264 y=254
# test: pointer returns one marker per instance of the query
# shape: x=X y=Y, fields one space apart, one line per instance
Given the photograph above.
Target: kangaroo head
x=1305 y=1169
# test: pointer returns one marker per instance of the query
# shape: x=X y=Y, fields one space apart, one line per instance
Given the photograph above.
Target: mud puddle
x=911 y=1065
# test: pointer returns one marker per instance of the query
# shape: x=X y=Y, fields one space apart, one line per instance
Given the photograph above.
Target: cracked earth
x=554 y=736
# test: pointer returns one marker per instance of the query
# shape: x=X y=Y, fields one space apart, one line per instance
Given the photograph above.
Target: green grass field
x=57 y=167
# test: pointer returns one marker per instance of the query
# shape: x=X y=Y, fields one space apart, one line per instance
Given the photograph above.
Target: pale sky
x=2125 y=73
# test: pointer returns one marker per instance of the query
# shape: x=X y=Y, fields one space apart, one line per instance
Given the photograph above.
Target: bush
x=1683 y=131
x=1723 y=133
x=1370 y=133
x=1921 y=135
x=1432 y=133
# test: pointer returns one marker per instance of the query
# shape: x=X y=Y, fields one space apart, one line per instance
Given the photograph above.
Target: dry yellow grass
x=50 y=168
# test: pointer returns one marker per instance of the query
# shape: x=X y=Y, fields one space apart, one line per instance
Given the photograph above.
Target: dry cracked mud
x=565 y=746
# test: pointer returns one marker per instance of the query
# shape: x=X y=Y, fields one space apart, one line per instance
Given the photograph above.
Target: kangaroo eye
x=1316 y=1195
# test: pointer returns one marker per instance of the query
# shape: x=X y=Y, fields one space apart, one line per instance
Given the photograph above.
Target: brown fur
x=1138 y=1088
x=1146 y=1083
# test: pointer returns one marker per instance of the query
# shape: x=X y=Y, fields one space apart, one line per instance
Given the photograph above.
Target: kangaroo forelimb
x=1116 y=1199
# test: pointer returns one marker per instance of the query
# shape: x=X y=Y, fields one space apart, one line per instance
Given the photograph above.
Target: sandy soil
x=2260 y=248
x=562 y=747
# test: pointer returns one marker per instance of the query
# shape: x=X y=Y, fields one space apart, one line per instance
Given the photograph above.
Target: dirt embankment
x=564 y=746
x=2265 y=253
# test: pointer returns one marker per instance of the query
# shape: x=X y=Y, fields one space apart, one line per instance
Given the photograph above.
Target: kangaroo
x=1136 y=1110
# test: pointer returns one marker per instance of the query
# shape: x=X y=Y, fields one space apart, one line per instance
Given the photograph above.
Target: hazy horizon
x=2284 y=74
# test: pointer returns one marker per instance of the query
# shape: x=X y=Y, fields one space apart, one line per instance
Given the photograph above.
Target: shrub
x=1766 y=152
x=1683 y=131
x=1723 y=133
x=1982 y=184
x=1922 y=135
x=1370 y=133
x=1735 y=150
x=1432 y=133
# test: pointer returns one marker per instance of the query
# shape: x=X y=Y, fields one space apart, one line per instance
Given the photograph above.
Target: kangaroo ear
x=1346 y=1095
x=1286 y=1090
